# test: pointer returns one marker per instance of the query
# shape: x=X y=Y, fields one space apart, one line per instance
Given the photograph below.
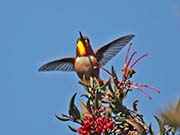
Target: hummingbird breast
x=84 y=66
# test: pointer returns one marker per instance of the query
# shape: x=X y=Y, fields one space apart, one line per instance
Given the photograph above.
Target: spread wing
x=108 y=51
x=64 y=64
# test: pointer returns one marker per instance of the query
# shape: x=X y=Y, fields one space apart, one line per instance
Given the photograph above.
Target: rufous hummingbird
x=86 y=59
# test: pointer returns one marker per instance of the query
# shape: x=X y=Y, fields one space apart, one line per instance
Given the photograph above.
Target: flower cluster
x=96 y=125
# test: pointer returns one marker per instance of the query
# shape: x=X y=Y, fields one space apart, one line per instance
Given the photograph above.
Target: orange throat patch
x=81 y=48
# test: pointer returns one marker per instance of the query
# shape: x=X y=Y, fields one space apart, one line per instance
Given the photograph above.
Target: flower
x=127 y=72
x=96 y=125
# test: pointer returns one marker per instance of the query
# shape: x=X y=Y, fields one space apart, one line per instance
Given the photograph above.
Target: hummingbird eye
x=86 y=41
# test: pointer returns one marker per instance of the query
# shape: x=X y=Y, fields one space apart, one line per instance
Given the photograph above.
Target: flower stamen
x=126 y=58
x=150 y=87
x=131 y=57
x=138 y=60
x=143 y=91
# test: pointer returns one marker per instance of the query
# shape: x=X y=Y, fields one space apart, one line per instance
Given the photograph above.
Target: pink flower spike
x=137 y=88
x=138 y=60
x=150 y=87
x=131 y=58
x=104 y=70
x=127 y=53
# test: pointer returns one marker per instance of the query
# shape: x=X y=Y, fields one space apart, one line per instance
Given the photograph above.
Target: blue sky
x=34 y=32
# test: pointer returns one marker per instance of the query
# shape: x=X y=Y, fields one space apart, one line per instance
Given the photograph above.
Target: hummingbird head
x=83 y=46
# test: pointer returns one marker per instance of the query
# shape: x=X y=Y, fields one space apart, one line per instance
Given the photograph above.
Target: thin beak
x=81 y=36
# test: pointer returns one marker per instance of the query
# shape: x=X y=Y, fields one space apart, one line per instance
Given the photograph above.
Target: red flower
x=127 y=73
x=96 y=124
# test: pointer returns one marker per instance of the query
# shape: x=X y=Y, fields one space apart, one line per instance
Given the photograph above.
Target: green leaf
x=86 y=96
x=115 y=78
x=62 y=117
x=150 y=130
x=112 y=70
x=110 y=88
x=97 y=100
x=120 y=119
x=73 y=110
x=161 y=126
x=85 y=111
x=105 y=84
x=118 y=107
x=135 y=103
x=96 y=83
x=72 y=129
x=88 y=104
x=98 y=103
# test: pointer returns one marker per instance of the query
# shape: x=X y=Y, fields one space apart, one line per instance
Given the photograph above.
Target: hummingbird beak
x=81 y=36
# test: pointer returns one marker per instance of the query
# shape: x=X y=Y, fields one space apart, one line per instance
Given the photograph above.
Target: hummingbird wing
x=108 y=51
x=64 y=64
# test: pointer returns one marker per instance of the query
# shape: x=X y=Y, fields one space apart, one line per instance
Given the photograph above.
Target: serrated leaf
x=85 y=111
x=73 y=110
x=161 y=126
x=62 y=118
x=72 y=129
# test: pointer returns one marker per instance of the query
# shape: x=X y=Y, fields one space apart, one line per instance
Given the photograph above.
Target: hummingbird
x=86 y=59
